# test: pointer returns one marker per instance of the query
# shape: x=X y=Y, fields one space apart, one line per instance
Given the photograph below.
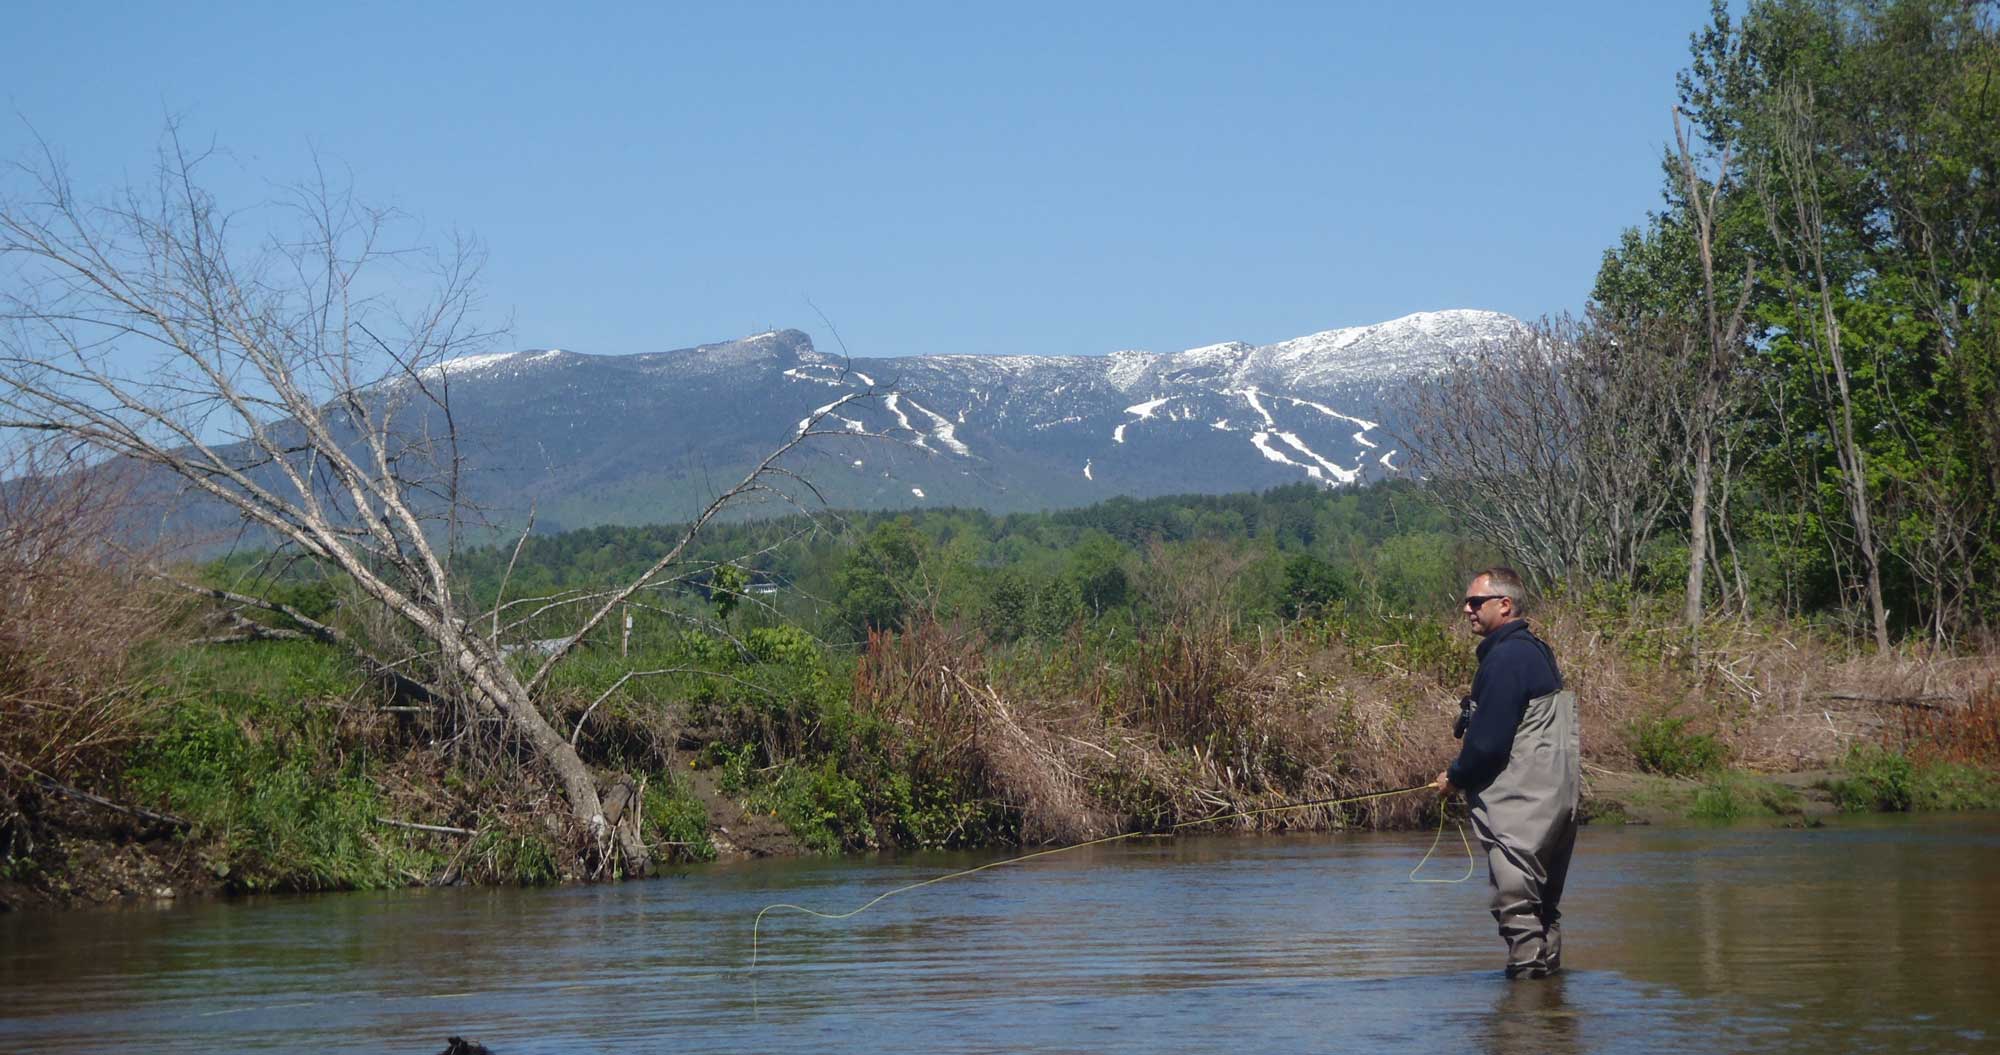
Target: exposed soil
x=78 y=854
x=738 y=832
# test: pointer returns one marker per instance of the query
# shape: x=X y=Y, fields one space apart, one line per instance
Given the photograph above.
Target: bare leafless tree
x=1715 y=369
x=1562 y=446
x=275 y=376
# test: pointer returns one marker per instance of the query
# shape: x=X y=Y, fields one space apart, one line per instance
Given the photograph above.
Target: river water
x=1870 y=934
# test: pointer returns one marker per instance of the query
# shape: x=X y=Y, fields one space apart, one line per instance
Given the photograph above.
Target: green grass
x=277 y=801
x=1722 y=795
x=1735 y=796
x=673 y=814
x=1882 y=779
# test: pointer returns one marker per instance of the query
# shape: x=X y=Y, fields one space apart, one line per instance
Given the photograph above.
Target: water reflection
x=1870 y=936
x=1532 y=1017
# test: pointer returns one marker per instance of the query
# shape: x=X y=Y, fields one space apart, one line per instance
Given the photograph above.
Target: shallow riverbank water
x=1870 y=934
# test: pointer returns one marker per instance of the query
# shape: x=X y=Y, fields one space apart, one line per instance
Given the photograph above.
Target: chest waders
x=1526 y=819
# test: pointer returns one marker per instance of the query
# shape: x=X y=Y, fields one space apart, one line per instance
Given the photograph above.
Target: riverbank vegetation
x=1757 y=487
x=1014 y=680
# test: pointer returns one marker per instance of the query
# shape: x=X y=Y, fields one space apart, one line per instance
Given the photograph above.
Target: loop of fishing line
x=757 y=926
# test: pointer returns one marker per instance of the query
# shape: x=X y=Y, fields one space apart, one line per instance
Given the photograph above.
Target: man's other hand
x=1445 y=788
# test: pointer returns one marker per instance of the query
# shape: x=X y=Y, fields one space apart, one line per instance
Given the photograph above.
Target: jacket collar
x=1501 y=633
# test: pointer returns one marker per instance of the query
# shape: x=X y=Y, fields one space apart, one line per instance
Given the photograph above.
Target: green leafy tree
x=1097 y=564
x=1313 y=585
x=876 y=580
x=725 y=589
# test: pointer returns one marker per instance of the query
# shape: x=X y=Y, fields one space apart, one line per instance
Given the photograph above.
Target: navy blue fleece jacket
x=1514 y=667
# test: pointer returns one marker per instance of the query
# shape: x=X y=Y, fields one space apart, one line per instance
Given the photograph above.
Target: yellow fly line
x=757 y=926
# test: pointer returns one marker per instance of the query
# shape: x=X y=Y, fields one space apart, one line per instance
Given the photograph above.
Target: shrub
x=1878 y=779
x=1665 y=746
x=822 y=806
x=79 y=622
x=520 y=856
x=1881 y=779
x=935 y=815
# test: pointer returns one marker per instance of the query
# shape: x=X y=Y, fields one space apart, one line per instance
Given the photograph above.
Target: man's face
x=1485 y=612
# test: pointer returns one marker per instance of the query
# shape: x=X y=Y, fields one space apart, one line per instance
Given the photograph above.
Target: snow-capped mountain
x=641 y=438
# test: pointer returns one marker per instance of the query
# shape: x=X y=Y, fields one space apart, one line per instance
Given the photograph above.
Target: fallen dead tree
x=284 y=382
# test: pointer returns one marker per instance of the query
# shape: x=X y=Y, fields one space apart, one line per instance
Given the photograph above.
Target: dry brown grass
x=1781 y=698
x=1968 y=735
x=74 y=615
x=930 y=681
x=1197 y=718
x=1192 y=719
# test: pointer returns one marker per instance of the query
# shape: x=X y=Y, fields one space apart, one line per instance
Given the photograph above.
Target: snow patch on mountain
x=946 y=431
x=1262 y=441
x=1250 y=396
x=1346 y=476
x=466 y=364
x=1125 y=369
x=798 y=374
x=894 y=403
x=806 y=422
x=1332 y=413
x=1414 y=345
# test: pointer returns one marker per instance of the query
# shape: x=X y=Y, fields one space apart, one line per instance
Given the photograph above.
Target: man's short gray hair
x=1506 y=582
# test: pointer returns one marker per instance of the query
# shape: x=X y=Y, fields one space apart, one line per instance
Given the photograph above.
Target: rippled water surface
x=1867 y=935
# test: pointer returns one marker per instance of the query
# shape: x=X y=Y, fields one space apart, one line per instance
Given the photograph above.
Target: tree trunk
x=492 y=679
x=1856 y=472
x=1704 y=456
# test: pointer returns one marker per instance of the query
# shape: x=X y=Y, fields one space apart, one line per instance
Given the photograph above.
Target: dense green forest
x=1293 y=550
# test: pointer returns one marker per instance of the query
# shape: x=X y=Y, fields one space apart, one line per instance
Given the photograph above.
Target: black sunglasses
x=1478 y=602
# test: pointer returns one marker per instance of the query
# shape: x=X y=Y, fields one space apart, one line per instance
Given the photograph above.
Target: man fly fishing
x=1519 y=769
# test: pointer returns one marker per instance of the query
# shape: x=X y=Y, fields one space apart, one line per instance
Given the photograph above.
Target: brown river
x=1867 y=935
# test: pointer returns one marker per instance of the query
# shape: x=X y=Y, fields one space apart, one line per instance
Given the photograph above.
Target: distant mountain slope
x=648 y=438
x=640 y=438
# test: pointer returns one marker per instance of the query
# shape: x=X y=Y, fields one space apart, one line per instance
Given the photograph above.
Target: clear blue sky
x=1071 y=178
